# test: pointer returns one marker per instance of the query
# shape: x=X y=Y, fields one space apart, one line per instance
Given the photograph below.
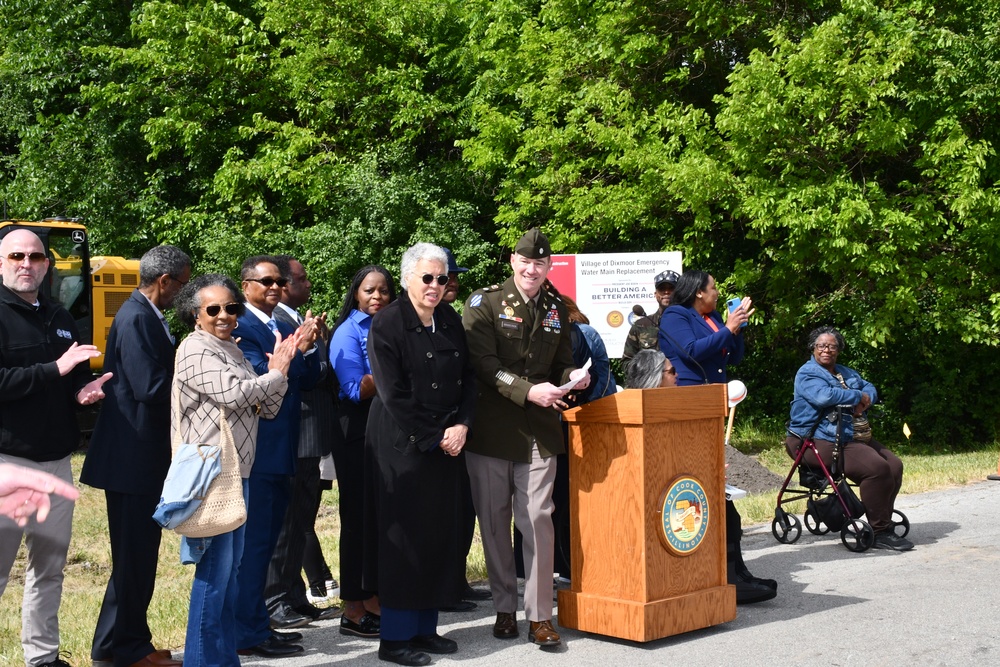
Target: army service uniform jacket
x=509 y=356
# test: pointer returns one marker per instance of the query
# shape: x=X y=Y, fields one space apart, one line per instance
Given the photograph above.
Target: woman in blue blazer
x=700 y=346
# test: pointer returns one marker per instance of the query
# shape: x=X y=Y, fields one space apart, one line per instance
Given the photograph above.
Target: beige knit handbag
x=222 y=510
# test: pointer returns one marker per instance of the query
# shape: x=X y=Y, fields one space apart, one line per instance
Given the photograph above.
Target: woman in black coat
x=416 y=432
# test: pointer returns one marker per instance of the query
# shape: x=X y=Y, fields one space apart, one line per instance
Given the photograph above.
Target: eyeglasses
x=33 y=256
x=231 y=309
x=670 y=371
x=269 y=281
x=428 y=279
x=180 y=282
x=828 y=346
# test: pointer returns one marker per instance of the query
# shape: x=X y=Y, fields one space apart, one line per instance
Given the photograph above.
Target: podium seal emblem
x=683 y=515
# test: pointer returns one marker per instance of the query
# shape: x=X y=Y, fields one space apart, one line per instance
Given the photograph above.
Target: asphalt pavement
x=934 y=605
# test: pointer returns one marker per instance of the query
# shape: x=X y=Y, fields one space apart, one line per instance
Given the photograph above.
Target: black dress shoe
x=285 y=637
x=402 y=655
x=505 y=626
x=269 y=648
x=460 y=606
x=433 y=644
x=748 y=592
x=367 y=626
x=284 y=618
x=317 y=613
x=476 y=594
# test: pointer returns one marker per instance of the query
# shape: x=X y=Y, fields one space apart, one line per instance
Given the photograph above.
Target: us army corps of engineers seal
x=683 y=515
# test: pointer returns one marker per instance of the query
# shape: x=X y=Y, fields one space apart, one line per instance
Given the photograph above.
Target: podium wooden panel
x=625 y=450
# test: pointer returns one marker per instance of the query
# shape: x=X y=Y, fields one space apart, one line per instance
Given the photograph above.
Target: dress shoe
x=367 y=626
x=460 y=606
x=433 y=644
x=476 y=594
x=285 y=637
x=284 y=618
x=269 y=648
x=505 y=626
x=158 y=659
x=317 y=613
x=401 y=654
x=749 y=592
x=543 y=634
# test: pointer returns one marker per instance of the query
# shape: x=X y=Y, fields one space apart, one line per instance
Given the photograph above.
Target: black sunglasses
x=269 y=281
x=33 y=256
x=670 y=371
x=428 y=279
x=231 y=309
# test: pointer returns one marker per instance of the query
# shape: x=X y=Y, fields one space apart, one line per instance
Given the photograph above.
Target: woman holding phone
x=700 y=346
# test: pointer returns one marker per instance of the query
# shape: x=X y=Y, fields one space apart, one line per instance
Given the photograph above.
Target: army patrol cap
x=533 y=245
x=665 y=277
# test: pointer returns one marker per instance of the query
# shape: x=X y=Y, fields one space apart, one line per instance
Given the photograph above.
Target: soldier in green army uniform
x=519 y=343
x=645 y=331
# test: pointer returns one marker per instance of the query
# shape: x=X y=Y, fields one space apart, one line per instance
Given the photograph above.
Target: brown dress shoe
x=506 y=626
x=161 y=658
x=543 y=634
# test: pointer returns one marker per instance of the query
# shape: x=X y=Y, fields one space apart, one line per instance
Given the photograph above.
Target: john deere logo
x=683 y=515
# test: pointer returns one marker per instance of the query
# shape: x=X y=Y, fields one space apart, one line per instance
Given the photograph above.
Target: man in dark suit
x=277 y=451
x=285 y=591
x=129 y=455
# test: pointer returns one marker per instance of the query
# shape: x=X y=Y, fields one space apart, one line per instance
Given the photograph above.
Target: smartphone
x=733 y=304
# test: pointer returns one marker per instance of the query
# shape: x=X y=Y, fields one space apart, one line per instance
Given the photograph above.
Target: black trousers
x=349 y=460
x=122 y=632
x=284 y=573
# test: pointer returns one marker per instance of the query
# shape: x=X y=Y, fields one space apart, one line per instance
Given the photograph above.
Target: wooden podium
x=626 y=451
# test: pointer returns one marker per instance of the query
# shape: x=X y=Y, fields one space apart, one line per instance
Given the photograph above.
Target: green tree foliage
x=834 y=160
x=863 y=154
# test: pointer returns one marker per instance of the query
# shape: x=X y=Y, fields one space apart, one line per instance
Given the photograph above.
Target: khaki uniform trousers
x=502 y=490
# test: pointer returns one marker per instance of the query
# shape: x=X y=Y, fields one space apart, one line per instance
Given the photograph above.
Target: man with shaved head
x=43 y=375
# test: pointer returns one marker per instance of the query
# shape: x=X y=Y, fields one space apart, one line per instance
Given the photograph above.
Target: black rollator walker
x=831 y=503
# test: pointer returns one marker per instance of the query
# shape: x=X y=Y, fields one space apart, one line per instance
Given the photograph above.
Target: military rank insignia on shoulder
x=491 y=288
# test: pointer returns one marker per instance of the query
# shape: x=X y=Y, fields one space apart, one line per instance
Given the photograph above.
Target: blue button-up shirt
x=349 y=354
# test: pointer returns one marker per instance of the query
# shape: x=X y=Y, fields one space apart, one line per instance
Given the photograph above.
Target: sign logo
x=78 y=236
x=615 y=319
x=683 y=515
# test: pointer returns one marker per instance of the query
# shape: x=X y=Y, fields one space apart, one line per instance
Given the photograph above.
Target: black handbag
x=829 y=511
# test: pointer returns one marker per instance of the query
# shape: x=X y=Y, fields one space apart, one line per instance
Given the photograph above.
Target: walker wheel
x=814 y=525
x=857 y=535
x=900 y=524
x=786 y=527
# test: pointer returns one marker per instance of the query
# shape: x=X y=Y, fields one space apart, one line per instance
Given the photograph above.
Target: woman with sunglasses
x=212 y=375
x=426 y=394
x=650 y=369
x=822 y=386
x=371 y=290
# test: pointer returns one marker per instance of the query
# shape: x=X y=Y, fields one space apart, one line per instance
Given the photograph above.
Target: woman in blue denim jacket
x=831 y=403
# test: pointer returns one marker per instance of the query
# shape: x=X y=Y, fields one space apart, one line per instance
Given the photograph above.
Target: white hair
x=417 y=252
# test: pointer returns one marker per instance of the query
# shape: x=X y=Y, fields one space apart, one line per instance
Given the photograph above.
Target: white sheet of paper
x=572 y=383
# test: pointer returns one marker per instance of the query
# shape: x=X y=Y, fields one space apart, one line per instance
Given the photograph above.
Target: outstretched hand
x=93 y=391
x=24 y=492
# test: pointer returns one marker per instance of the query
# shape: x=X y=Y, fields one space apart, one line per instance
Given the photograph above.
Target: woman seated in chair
x=821 y=386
